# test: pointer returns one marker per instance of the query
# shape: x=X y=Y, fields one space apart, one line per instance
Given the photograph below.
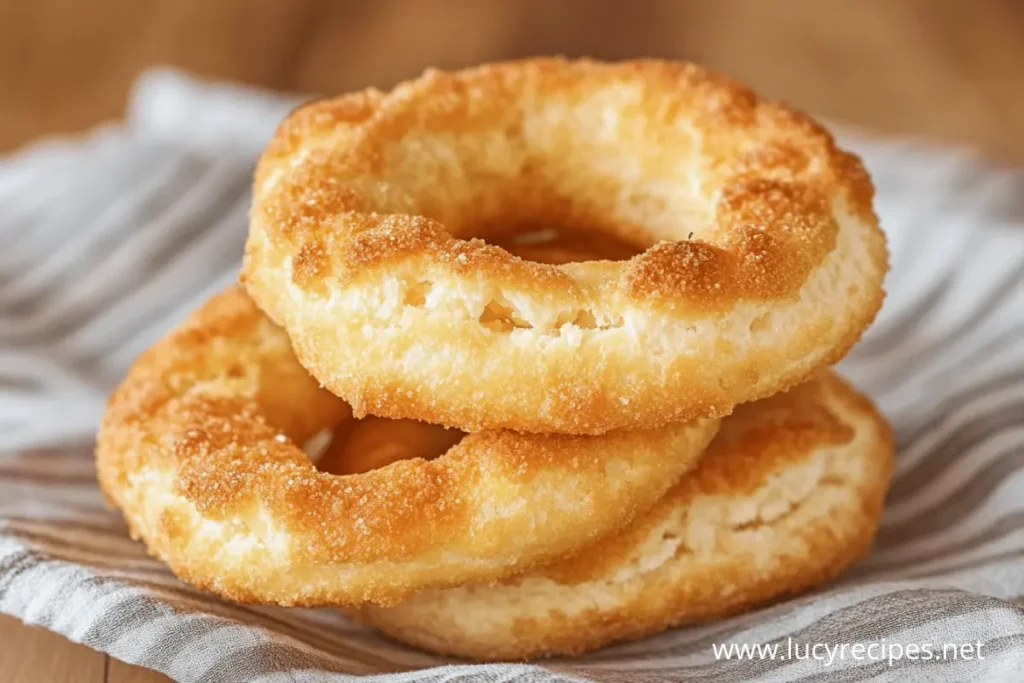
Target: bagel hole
x=541 y=236
x=501 y=316
x=358 y=446
x=557 y=245
x=762 y=323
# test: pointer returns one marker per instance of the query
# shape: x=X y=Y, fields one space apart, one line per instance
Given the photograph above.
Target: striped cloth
x=109 y=240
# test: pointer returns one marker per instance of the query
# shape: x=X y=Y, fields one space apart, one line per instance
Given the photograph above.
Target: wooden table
x=29 y=654
x=951 y=70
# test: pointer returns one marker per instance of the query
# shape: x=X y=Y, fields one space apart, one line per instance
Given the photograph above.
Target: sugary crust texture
x=762 y=258
x=789 y=493
x=200 y=448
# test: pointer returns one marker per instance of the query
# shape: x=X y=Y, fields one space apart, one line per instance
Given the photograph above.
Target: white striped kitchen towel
x=109 y=240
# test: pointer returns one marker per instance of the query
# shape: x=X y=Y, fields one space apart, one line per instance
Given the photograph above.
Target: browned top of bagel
x=369 y=194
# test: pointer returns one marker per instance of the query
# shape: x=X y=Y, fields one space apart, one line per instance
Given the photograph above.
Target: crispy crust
x=362 y=204
x=198 y=449
x=789 y=493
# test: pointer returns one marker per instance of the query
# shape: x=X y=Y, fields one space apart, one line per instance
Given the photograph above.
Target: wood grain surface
x=950 y=70
x=29 y=654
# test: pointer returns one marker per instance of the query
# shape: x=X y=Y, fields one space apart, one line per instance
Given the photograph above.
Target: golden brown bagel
x=763 y=261
x=789 y=493
x=200 y=448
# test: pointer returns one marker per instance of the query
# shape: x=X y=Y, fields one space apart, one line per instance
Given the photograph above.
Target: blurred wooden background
x=947 y=69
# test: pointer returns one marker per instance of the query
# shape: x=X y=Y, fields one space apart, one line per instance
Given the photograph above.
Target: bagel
x=789 y=493
x=762 y=259
x=200 y=449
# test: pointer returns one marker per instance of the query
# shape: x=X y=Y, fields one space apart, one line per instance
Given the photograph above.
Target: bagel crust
x=763 y=260
x=200 y=448
x=789 y=493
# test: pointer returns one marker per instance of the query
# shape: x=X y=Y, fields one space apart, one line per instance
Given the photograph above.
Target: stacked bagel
x=540 y=441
